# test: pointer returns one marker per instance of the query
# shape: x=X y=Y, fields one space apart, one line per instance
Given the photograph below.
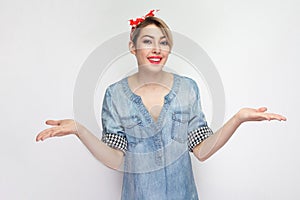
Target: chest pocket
x=131 y=121
x=180 y=126
x=133 y=127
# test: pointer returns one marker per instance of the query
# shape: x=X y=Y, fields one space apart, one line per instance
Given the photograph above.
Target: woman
x=151 y=120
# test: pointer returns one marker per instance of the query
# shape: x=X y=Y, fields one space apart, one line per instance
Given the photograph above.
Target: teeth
x=154 y=59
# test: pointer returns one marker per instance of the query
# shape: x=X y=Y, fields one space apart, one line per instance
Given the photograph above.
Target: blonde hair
x=157 y=22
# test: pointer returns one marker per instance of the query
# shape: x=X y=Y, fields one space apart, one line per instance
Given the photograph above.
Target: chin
x=156 y=67
x=152 y=67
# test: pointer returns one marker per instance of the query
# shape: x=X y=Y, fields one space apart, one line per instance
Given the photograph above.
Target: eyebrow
x=152 y=36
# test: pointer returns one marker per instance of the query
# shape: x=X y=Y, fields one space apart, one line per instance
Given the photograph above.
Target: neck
x=144 y=77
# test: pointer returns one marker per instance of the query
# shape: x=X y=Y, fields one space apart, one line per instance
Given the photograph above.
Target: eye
x=147 y=41
x=165 y=43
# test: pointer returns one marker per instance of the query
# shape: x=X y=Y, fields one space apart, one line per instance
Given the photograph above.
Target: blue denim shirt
x=157 y=163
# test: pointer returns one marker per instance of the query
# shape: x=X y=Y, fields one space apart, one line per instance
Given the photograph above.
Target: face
x=151 y=49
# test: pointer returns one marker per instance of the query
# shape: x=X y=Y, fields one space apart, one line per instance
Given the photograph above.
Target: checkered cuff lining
x=195 y=137
x=115 y=141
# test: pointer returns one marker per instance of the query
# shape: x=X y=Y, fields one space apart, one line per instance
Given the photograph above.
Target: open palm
x=260 y=114
x=59 y=128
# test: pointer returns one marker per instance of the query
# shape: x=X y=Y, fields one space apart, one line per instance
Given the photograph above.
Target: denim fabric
x=157 y=162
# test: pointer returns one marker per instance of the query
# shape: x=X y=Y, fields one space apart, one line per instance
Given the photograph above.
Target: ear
x=132 y=48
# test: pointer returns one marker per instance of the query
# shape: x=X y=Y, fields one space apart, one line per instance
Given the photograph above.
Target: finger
x=37 y=138
x=44 y=137
x=53 y=122
x=40 y=135
x=263 y=116
x=45 y=134
x=283 y=118
x=50 y=133
x=262 y=109
x=274 y=116
x=57 y=131
x=278 y=117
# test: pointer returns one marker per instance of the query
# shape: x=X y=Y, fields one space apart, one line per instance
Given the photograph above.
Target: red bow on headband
x=137 y=21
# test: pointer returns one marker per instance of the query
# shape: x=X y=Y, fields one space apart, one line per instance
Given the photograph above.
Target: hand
x=60 y=128
x=250 y=114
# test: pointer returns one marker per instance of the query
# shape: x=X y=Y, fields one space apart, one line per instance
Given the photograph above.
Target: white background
x=43 y=44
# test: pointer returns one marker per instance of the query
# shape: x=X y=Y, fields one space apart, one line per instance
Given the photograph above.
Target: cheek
x=166 y=54
x=143 y=52
x=141 y=56
x=165 y=48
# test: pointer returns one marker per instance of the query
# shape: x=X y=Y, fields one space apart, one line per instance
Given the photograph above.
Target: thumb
x=262 y=109
x=53 y=122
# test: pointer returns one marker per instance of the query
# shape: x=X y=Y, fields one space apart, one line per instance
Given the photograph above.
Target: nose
x=156 y=48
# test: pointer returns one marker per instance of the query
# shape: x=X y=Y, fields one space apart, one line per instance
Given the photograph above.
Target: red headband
x=137 y=21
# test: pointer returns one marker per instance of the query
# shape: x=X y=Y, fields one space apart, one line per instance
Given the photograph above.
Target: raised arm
x=213 y=143
x=113 y=158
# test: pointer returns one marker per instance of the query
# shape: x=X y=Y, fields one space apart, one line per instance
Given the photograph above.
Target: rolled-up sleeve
x=113 y=133
x=198 y=129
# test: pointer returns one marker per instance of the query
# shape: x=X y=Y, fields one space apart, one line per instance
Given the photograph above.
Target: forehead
x=151 y=30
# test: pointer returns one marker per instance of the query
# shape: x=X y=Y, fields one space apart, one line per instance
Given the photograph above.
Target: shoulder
x=187 y=81
x=117 y=84
x=189 y=86
x=116 y=87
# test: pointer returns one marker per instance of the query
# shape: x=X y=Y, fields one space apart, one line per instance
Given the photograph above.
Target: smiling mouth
x=154 y=60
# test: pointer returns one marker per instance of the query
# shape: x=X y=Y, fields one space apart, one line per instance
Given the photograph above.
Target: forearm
x=213 y=143
x=108 y=156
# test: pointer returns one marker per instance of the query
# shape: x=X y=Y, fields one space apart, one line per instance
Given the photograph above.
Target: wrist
x=79 y=129
x=237 y=119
